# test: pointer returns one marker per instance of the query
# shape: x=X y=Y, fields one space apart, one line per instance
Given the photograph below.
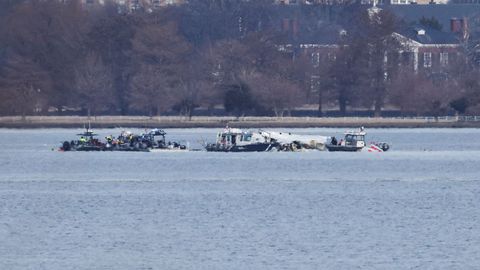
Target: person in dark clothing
x=334 y=141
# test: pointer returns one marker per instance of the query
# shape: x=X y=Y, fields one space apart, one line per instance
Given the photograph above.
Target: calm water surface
x=414 y=207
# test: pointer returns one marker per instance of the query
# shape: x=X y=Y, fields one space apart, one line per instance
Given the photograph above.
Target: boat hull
x=89 y=148
x=343 y=148
x=257 y=147
x=86 y=147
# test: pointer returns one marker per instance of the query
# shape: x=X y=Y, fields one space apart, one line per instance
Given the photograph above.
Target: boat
x=237 y=140
x=155 y=140
x=86 y=142
x=126 y=141
x=354 y=141
x=145 y=142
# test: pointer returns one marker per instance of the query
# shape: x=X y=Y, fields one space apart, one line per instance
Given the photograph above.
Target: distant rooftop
x=426 y=35
x=443 y=13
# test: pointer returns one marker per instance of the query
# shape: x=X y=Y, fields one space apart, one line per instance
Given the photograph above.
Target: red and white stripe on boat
x=374 y=148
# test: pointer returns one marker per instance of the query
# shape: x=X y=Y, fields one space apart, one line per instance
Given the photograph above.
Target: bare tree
x=243 y=64
x=151 y=91
x=274 y=92
x=161 y=56
x=50 y=34
x=471 y=40
x=110 y=35
x=194 y=86
x=418 y=94
x=25 y=86
x=312 y=73
x=94 y=85
x=382 y=56
x=348 y=74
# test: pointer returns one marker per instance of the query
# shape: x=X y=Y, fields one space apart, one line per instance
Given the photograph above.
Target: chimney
x=456 y=25
x=286 y=25
x=295 y=27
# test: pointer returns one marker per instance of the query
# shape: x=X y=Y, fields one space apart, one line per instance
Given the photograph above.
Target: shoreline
x=242 y=122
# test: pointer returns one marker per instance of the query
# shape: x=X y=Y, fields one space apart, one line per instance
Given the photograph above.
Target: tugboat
x=354 y=141
x=87 y=142
x=236 y=140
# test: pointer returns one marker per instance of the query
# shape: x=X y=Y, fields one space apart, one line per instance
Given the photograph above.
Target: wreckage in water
x=237 y=140
x=296 y=142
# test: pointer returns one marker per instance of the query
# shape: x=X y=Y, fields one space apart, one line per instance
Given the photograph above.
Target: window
x=404 y=58
x=314 y=84
x=316 y=59
x=247 y=137
x=332 y=56
x=427 y=59
x=444 y=59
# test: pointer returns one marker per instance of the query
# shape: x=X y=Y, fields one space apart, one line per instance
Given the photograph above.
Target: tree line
x=63 y=57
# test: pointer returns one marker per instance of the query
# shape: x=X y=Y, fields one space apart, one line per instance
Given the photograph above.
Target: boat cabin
x=235 y=136
x=354 y=138
x=88 y=137
x=155 y=136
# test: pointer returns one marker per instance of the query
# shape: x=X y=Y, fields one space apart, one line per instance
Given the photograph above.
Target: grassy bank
x=219 y=122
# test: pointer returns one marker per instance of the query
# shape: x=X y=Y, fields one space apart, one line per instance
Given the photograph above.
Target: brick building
x=428 y=49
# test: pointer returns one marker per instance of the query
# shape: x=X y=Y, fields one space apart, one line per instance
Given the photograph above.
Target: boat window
x=247 y=137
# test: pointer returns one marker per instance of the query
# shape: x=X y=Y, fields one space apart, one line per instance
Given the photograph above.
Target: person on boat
x=340 y=142
x=83 y=139
x=334 y=141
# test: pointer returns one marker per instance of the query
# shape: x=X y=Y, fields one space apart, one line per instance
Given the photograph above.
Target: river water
x=416 y=206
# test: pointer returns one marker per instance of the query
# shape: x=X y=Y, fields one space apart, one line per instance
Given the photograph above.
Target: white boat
x=237 y=140
x=354 y=141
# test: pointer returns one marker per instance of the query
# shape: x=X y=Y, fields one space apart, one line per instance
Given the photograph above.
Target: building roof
x=443 y=13
x=426 y=35
x=328 y=35
x=327 y=32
